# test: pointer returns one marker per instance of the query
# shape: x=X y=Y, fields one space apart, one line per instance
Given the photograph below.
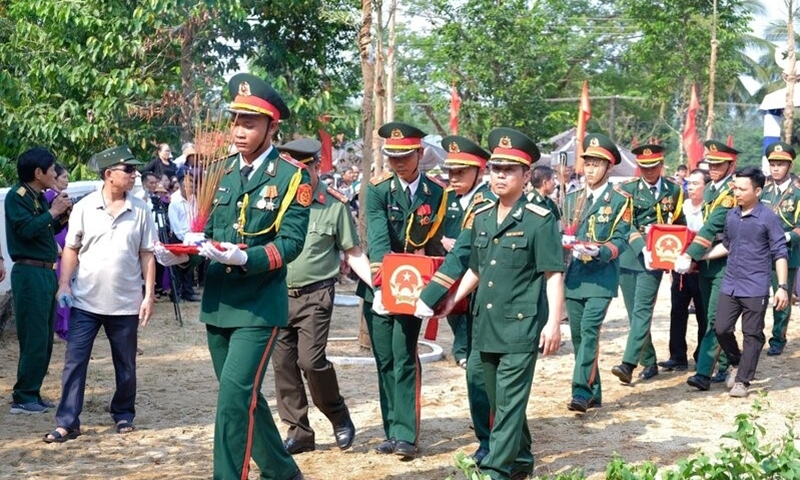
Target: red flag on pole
x=326 y=155
x=584 y=114
x=455 y=106
x=691 y=142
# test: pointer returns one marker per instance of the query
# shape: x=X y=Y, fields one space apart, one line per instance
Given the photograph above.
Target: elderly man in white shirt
x=181 y=213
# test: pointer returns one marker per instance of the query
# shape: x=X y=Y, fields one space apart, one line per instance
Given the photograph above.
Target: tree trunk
x=390 y=60
x=790 y=77
x=187 y=72
x=368 y=126
x=712 y=73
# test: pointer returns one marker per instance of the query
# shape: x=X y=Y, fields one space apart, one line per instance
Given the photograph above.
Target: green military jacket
x=606 y=223
x=455 y=215
x=666 y=208
x=29 y=226
x=511 y=259
x=331 y=230
x=270 y=215
x=395 y=226
x=538 y=199
x=715 y=208
x=457 y=260
x=786 y=205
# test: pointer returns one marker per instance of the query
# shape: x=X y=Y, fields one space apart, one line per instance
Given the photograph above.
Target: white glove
x=194 y=238
x=377 y=303
x=682 y=264
x=586 y=250
x=422 y=310
x=648 y=259
x=167 y=258
x=65 y=300
x=231 y=255
x=567 y=240
x=788 y=236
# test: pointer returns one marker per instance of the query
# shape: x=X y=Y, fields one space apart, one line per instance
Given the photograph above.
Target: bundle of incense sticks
x=212 y=141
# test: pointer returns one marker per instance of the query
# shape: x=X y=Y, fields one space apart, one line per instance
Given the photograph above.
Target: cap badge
x=397 y=134
x=647 y=151
x=505 y=142
x=244 y=89
x=777 y=148
x=594 y=142
x=712 y=148
x=454 y=147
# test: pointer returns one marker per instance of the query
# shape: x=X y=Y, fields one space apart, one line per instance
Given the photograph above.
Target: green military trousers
x=780 y=318
x=458 y=324
x=479 y=408
x=509 y=377
x=710 y=352
x=244 y=426
x=394 y=345
x=640 y=291
x=586 y=316
x=34 y=299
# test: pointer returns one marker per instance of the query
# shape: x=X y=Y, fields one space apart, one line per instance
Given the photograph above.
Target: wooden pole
x=391 y=64
x=712 y=73
x=790 y=76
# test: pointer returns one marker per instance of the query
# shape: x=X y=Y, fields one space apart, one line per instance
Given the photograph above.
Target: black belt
x=36 y=263
x=312 y=287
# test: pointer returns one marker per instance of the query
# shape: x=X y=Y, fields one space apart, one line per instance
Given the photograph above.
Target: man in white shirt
x=182 y=211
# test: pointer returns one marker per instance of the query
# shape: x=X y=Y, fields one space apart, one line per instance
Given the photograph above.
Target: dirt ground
x=660 y=420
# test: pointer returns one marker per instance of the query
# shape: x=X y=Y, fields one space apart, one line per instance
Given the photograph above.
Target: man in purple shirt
x=752 y=235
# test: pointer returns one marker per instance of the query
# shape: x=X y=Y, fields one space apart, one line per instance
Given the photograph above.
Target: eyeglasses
x=125 y=168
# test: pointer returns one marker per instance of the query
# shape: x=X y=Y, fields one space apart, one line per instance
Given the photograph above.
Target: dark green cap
x=401 y=138
x=597 y=145
x=253 y=96
x=780 y=151
x=718 y=152
x=304 y=150
x=512 y=147
x=113 y=156
x=463 y=152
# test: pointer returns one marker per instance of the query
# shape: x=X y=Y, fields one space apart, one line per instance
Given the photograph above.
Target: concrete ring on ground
x=434 y=355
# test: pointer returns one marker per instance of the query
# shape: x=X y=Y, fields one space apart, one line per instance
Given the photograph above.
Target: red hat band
x=465 y=159
x=256 y=104
x=512 y=154
x=723 y=156
x=653 y=157
x=594 y=151
x=780 y=156
x=406 y=143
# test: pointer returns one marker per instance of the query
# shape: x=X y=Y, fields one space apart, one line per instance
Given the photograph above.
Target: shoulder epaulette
x=672 y=180
x=484 y=208
x=449 y=189
x=21 y=191
x=381 y=179
x=622 y=192
x=436 y=181
x=337 y=195
x=478 y=198
x=541 y=211
x=728 y=202
x=796 y=181
x=288 y=159
x=631 y=180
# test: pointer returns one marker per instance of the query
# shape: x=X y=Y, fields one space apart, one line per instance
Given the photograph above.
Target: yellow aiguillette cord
x=287 y=200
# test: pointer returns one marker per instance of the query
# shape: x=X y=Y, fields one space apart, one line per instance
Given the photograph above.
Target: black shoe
x=344 y=434
x=649 y=372
x=299 y=476
x=519 y=475
x=774 y=351
x=720 y=377
x=293 y=446
x=191 y=298
x=592 y=403
x=700 y=382
x=386 y=447
x=674 y=365
x=624 y=372
x=480 y=454
x=578 y=404
x=405 y=449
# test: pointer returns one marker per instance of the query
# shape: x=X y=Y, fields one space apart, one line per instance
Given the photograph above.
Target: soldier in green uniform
x=782 y=195
x=463 y=158
x=465 y=169
x=405 y=211
x=262 y=201
x=30 y=225
x=718 y=199
x=515 y=254
x=599 y=215
x=656 y=200
x=311 y=278
x=543 y=181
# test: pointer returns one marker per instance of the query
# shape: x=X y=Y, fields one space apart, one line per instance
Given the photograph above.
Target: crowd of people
x=527 y=249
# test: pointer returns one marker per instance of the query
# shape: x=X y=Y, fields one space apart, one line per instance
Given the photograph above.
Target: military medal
x=261 y=204
x=424 y=212
x=268 y=195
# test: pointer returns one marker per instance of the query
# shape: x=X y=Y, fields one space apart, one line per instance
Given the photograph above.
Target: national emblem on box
x=666 y=243
x=405 y=275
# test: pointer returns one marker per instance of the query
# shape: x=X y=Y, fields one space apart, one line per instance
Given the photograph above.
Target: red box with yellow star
x=666 y=242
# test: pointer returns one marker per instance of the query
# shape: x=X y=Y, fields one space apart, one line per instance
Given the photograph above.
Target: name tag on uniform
x=394 y=208
x=515 y=234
